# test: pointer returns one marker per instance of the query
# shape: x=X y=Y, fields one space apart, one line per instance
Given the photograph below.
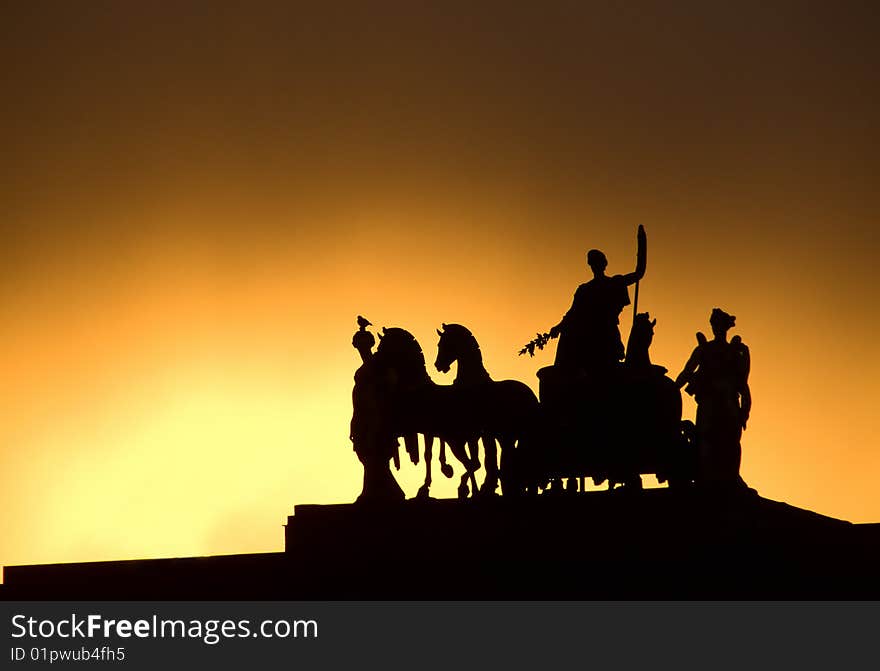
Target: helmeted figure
x=589 y=333
x=371 y=432
x=717 y=376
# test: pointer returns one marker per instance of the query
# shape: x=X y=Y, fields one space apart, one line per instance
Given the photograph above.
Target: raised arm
x=641 y=258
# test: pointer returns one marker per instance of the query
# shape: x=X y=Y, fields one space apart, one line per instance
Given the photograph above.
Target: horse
x=506 y=410
x=416 y=404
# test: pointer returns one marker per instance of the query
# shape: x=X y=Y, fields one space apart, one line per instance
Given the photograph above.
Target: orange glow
x=194 y=224
x=188 y=414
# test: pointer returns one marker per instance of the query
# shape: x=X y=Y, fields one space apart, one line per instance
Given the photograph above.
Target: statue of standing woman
x=717 y=375
x=589 y=333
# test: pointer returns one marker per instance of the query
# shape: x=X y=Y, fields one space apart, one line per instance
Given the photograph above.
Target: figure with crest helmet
x=717 y=375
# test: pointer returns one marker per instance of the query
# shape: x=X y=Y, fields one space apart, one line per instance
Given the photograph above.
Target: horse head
x=455 y=340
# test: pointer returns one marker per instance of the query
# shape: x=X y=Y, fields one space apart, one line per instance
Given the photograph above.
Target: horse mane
x=398 y=337
x=398 y=348
x=461 y=332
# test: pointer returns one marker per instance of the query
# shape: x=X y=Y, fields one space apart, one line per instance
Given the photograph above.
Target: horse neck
x=470 y=367
x=410 y=366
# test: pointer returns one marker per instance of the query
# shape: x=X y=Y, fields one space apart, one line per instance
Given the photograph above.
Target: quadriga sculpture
x=613 y=426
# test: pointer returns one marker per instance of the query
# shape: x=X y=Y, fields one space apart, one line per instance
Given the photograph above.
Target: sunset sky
x=198 y=199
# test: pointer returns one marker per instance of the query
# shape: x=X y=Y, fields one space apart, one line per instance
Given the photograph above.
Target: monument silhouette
x=530 y=529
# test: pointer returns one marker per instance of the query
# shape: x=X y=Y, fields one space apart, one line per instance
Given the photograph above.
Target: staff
x=641 y=265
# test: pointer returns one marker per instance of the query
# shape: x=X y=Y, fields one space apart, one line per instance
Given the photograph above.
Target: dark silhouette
x=589 y=336
x=363 y=341
x=650 y=420
x=661 y=544
x=607 y=419
x=614 y=427
x=601 y=418
x=638 y=358
x=504 y=410
x=395 y=397
x=605 y=412
x=371 y=430
x=717 y=375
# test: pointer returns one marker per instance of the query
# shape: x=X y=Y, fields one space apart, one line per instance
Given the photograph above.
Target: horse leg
x=395 y=456
x=463 y=488
x=473 y=445
x=411 y=441
x=425 y=488
x=474 y=448
x=458 y=450
x=490 y=482
x=445 y=468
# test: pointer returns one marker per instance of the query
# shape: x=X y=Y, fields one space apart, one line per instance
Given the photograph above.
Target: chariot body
x=611 y=426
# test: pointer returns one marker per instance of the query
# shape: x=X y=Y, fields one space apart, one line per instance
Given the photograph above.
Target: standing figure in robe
x=717 y=375
x=589 y=333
